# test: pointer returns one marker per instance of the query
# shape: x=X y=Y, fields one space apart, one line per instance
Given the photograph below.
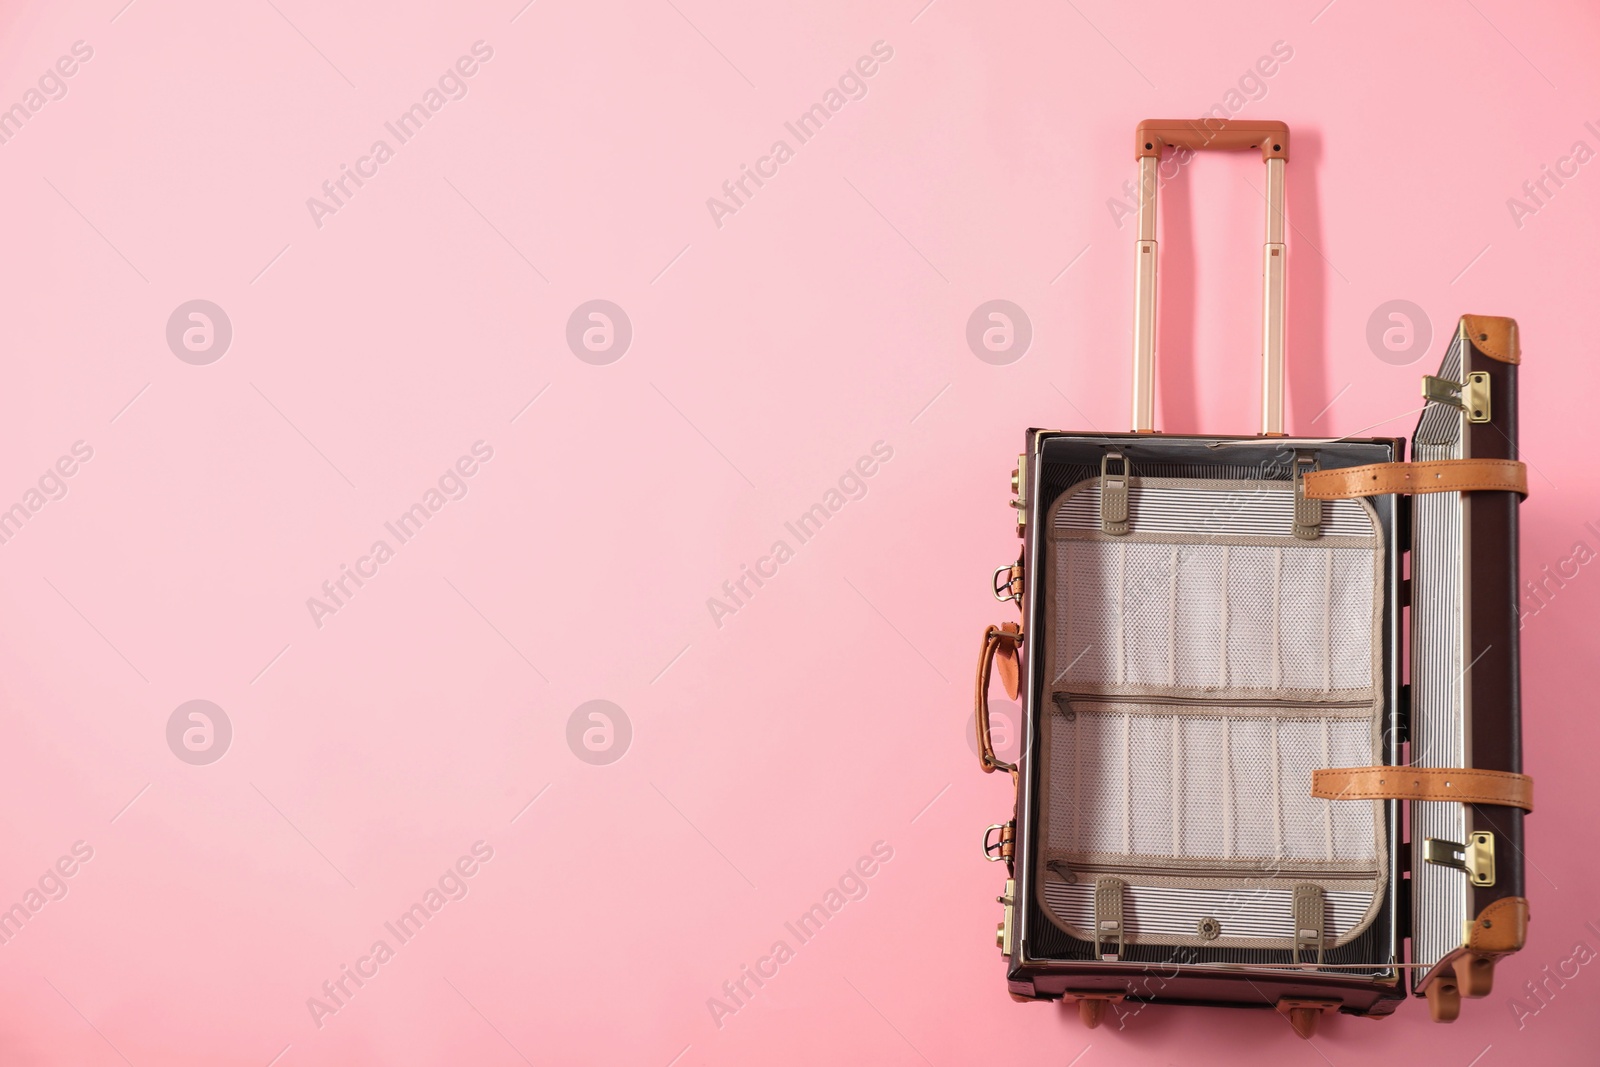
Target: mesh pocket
x=1153 y=615
x=1215 y=784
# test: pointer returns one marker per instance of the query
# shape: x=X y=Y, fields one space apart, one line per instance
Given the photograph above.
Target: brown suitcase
x=1216 y=735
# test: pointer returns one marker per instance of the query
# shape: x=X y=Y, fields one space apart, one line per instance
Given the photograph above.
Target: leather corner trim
x=1438 y=476
x=1464 y=785
x=1494 y=336
x=1500 y=928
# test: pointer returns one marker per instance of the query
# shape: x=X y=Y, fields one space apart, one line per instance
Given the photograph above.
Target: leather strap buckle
x=1003 y=847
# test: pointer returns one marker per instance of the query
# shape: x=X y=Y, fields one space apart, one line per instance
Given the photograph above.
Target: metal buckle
x=991 y=849
x=1011 y=588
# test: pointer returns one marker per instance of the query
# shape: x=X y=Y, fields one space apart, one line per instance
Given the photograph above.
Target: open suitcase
x=1218 y=740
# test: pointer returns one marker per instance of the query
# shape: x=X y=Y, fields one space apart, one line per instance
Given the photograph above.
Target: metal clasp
x=1476 y=397
x=1019 y=492
x=1472 y=397
x=1436 y=390
x=1003 y=932
x=1476 y=857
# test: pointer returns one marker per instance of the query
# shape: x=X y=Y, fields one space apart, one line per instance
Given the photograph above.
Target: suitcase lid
x=1468 y=893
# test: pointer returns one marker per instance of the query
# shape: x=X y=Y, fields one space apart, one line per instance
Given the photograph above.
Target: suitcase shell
x=1463 y=652
x=1466 y=656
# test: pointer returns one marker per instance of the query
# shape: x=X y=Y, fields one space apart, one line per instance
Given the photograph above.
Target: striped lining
x=1439 y=665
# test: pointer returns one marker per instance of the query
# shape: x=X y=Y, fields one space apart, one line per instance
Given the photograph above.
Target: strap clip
x=1113 y=494
x=1307 y=510
x=1108 y=922
x=1309 y=915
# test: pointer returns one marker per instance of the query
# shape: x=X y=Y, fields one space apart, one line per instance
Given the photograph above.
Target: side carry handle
x=998 y=642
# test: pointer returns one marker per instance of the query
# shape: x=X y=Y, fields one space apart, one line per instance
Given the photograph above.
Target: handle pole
x=1272 y=138
x=1144 y=304
x=1272 y=305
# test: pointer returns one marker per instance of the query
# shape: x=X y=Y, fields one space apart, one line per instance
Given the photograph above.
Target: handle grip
x=1003 y=640
x=1201 y=135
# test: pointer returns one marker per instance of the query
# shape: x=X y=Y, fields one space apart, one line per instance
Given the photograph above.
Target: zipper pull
x=1062 y=870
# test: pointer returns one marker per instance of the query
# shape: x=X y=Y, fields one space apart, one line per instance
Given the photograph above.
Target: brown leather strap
x=1466 y=785
x=1002 y=641
x=1438 y=476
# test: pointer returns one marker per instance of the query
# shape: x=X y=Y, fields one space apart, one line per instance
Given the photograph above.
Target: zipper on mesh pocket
x=1070 y=873
x=1062 y=698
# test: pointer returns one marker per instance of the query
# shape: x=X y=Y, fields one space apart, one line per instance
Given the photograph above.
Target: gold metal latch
x=1002 y=932
x=1476 y=857
x=1477 y=397
x=1019 y=491
x=1473 y=397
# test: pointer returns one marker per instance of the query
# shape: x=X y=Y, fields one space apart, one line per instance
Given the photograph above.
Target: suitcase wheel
x=1304 y=1012
x=1475 y=975
x=1444 y=999
x=1092 y=1005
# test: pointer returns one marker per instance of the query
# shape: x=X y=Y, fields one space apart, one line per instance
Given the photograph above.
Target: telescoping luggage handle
x=1154 y=135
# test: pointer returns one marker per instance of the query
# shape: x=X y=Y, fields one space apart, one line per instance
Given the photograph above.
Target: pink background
x=768 y=354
